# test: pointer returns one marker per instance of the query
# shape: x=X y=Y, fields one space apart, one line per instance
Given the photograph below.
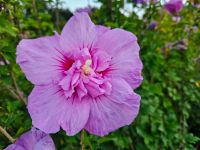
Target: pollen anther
x=86 y=67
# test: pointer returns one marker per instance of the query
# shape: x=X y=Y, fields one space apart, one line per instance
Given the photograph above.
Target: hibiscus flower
x=174 y=6
x=84 y=78
x=33 y=140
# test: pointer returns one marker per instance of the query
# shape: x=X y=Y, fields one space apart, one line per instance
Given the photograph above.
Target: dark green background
x=169 y=117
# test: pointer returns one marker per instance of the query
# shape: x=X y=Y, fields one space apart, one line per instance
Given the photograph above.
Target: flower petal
x=101 y=61
x=14 y=147
x=101 y=30
x=33 y=140
x=40 y=59
x=30 y=138
x=45 y=143
x=50 y=109
x=111 y=112
x=125 y=62
x=75 y=115
x=78 y=33
x=45 y=107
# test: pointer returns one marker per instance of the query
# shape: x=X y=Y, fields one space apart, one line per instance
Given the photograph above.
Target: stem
x=16 y=90
x=19 y=93
x=6 y=134
x=82 y=140
x=10 y=89
x=35 y=10
x=57 y=15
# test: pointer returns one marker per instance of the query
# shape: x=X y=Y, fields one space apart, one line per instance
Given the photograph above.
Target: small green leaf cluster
x=169 y=117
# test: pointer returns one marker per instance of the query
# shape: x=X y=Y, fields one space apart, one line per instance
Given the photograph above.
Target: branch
x=57 y=15
x=17 y=91
x=82 y=140
x=35 y=10
x=10 y=89
x=6 y=134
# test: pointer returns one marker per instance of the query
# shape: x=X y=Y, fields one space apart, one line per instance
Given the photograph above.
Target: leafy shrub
x=170 y=106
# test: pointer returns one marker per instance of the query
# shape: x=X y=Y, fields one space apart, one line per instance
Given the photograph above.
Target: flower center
x=86 y=67
x=83 y=78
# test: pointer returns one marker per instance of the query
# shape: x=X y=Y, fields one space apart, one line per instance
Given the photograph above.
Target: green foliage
x=170 y=105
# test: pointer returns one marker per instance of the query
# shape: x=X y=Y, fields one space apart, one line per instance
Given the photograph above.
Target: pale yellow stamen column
x=86 y=67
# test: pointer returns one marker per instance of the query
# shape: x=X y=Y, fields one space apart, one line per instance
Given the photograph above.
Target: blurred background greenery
x=169 y=117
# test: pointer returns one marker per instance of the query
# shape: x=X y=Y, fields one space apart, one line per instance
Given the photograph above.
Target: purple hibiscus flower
x=152 y=25
x=33 y=140
x=174 y=6
x=83 y=78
